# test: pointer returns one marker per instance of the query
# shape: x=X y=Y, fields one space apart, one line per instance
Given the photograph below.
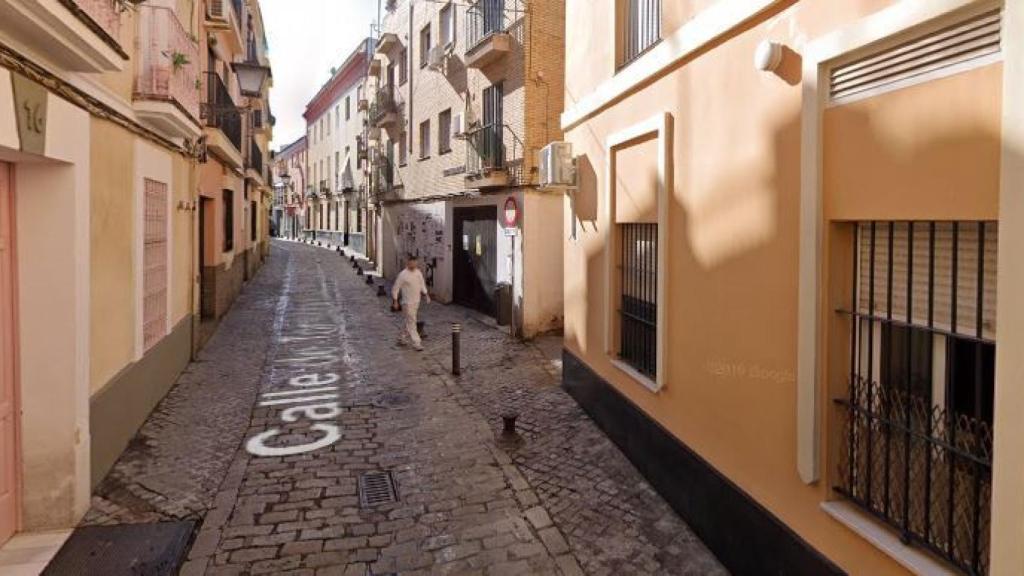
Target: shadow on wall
x=734 y=254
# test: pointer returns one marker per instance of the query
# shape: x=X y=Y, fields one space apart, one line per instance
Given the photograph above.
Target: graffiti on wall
x=422 y=235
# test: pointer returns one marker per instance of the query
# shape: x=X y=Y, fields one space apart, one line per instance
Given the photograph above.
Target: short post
x=508 y=423
x=369 y=280
x=456 y=349
x=382 y=291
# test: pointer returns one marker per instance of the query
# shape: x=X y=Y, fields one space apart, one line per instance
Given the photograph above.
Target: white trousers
x=409 y=331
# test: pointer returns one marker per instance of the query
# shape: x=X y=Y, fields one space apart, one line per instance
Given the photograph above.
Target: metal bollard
x=382 y=291
x=359 y=270
x=508 y=421
x=369 y=280
x=456 y=349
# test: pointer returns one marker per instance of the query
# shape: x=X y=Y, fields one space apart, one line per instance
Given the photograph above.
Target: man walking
x=410 y=286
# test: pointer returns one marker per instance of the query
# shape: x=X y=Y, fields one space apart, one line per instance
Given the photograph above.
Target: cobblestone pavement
x=559 y=499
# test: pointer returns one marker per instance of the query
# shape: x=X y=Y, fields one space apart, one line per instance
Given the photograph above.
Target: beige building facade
x=335 y=203
x=789 y=284
x=461 y=99
x=101 y=140
x=289 y=174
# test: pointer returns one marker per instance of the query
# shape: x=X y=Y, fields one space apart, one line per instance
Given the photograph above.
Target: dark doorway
x=475 y=257
x=206 y=296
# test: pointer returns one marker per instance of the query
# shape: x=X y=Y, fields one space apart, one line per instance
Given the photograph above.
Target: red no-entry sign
x=511 y=211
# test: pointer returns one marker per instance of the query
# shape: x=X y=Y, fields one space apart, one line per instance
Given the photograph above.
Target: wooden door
x=9 y=443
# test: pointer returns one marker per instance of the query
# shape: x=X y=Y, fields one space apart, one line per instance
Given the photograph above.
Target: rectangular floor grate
x=376 y=488
x=142 y=549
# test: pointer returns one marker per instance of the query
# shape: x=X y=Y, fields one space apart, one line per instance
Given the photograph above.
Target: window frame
x=450 y=8
x=426 y=43
x=623 y=20
x=425 y=139
x=660 y=125
x=444 y=132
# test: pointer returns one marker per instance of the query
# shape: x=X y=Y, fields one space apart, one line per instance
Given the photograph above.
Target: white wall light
x=768 y=56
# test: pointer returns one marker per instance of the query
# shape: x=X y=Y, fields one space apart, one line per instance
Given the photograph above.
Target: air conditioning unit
x=436 y=56
x=557 y=166
x=459 y=126
x=217 y=9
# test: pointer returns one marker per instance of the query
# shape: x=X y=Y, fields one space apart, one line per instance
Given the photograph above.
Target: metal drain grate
x=376 y=488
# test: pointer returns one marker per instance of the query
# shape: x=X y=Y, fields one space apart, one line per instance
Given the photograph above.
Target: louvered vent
x=215 y=9
x=968 y=43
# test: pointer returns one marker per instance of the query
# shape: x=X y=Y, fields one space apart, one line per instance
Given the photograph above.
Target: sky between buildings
x=306 y=39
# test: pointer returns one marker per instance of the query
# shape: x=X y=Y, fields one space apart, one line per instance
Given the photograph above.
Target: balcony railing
x=490 y=148
x=106 y=14
x=168 y=60
x=255 y=157
x=487 y=17
x=382 y=177
x=221 y=111
x=384 y=102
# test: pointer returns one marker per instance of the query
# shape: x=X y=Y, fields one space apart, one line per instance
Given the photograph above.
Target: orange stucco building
x=789 y=294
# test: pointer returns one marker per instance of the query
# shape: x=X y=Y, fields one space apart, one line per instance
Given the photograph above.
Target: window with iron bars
x=640 y=27
x=638 y=302
x=917 y=446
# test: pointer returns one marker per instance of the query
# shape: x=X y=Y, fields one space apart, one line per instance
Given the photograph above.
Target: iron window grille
x=641 y=27
x=638 y=305
x=917 y=446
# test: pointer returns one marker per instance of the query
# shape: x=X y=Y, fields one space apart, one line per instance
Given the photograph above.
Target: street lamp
x=251 y=77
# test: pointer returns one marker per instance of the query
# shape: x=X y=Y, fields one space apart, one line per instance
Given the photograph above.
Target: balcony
x=254 y=163
x=384 y=109
x=491 y=152
x=262 y=121
x=388 y=42
x=223 y=121
x=79 y=35
x=223 y=18
x=374 y=68
x=382 y=179
x=166 y=96
x=487 y=37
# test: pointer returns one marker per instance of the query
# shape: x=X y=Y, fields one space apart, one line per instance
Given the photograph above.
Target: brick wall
x=531 y=108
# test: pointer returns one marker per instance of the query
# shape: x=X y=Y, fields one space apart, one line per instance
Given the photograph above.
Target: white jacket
x=410 y=285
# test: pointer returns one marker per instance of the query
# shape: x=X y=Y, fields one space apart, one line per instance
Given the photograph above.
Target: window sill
x=635 y=374
x=443 y=152
x=422 y=158
x=885 y=539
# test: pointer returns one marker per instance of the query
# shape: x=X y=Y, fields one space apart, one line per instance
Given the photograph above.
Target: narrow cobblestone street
x=558 y=499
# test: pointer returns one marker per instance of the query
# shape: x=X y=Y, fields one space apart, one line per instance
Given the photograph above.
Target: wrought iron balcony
x=382 y=178
x=385 y=106
x=490 y=151
x=255 y=160
x=487 y=36
x=220 y=110
x=168 y=63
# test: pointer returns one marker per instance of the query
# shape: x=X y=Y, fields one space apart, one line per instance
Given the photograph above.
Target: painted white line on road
x=279 y=401
x=299 y=391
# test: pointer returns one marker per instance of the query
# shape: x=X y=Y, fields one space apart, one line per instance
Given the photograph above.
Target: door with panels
x=8 y=393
